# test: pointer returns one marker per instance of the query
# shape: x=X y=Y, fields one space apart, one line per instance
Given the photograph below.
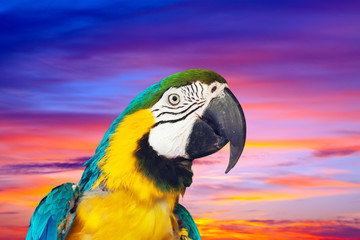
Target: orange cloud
x=312 y=143
x=43 y=138
x=276 y=195
x=267 y=196
x=34 y=188
x=281 y=230
x=330 y=171
x=309 y=181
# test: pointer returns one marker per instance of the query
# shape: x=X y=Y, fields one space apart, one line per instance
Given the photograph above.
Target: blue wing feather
x=186 y=221
x=49 y=232
x=52 y=218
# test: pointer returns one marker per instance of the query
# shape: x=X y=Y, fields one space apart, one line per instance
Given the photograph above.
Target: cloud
x=259 y=195
x=86 y=45
x=13 y=232
x=324 y=146
x=331 y=171
x=54 y=120
x=268 y=229
x=39 y=136
x=206 y=162
x=349 y=132
x=8 y=212
x=288 y=164
x=336 y=152
x=310 y=181
x=292 y=189
x=43 y=168
x=31 y=188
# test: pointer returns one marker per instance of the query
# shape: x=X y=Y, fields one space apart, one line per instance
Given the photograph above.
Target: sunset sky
x=69 y=68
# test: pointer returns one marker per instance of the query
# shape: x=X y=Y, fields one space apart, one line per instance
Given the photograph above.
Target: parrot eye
x=174 y=99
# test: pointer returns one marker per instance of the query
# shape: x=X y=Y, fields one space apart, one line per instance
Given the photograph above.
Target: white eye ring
x=174 y=99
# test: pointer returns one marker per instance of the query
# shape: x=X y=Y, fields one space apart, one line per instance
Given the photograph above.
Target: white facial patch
x=175 y=114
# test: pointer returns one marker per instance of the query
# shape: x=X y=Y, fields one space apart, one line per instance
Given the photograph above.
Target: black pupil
x=213 y=89
x=174 y=98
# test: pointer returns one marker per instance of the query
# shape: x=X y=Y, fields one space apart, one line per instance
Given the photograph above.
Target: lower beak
x=223 y=121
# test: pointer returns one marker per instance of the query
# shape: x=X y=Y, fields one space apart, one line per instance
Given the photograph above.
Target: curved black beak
x=223 y=121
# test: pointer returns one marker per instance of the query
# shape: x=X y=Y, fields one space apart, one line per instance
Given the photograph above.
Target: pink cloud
x=310 y=181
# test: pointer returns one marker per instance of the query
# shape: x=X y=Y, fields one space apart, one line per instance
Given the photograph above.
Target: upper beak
x=223 y=121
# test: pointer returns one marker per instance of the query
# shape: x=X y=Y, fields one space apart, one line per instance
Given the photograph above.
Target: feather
x=50 y=216
x=186 y=221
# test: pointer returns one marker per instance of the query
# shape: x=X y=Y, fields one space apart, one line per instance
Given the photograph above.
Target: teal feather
x=49 y=232
x=48 y=220
x=186 y=221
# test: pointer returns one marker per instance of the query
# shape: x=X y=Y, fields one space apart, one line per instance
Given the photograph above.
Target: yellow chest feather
x=118 y=216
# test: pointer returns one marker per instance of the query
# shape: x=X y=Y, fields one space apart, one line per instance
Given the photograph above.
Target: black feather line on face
x=179 y=119
x=168 y=174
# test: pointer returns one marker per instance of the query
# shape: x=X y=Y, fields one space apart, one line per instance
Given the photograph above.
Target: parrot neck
x=130 y=164
x=166 y=173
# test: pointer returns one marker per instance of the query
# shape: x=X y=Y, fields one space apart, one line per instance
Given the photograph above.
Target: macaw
x=131 y=186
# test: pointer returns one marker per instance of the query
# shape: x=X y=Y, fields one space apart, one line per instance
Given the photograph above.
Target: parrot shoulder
x=54 y=214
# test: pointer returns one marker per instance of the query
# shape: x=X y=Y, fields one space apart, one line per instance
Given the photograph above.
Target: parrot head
x=185 y=116
x=197 y=116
